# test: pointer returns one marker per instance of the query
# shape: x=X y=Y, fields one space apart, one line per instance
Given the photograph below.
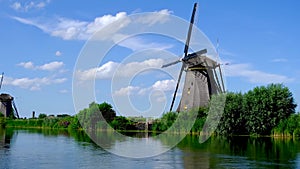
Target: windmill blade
x=187 y=43
x=186 y=48
x=217 y=79
x=16 y=110
x=1 y=79
x=220 y=71
x=193 y=55
x=170 y=64
x=177 y=85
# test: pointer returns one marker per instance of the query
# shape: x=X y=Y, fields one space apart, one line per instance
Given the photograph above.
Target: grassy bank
x=2 y=122
x=289 y=127
x=263 y=111
x=47 y=122
x=286 y=128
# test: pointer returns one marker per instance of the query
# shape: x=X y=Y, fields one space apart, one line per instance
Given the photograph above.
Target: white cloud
x=32 y=83
x=161 y=85
x=157 y=17
x=103 y=72
x=48 y=66
x=102 y=21
x=26 y=65
x=51 y=66
x=18 y=6
x=224 y=52
x=58 y=53
x=68 y=29
x=164 y=85
x=63 y=91
x=71 y=29
x=254 y=76
x=279 y=60
x=126 y=91
x=108 y=69
x=137 y=43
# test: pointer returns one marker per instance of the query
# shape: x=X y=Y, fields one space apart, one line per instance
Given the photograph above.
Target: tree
x=233 y=119
x=107 y=111
x=265 y=107
x=42 y=115
x=121 y=123
x=95 y=114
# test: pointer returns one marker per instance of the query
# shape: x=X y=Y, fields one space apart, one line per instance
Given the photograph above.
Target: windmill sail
x=186 y=48
x=201 y=79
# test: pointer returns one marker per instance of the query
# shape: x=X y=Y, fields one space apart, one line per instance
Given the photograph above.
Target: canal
x=64 y=149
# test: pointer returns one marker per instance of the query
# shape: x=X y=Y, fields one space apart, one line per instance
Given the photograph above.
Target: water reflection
x=5 y=138
x=241 y=152
x=67 y=149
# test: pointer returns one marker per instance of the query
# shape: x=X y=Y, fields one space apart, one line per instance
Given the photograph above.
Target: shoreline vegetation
x=264 y=111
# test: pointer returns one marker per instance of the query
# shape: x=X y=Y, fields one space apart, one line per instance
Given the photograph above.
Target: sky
x=41 y=41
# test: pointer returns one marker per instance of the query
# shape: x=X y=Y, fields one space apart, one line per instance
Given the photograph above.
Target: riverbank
x=285 y=129
x=68 y=122
x=263 y=111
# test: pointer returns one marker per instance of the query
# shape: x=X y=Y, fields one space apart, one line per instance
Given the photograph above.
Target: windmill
x=203 y=76
x=7 y=104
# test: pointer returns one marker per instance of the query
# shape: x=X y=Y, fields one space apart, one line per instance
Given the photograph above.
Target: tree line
x=265 y=110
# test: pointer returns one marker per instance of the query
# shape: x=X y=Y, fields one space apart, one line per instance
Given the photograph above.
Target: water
x=62 y=149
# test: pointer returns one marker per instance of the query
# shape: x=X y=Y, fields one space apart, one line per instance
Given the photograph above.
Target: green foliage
x=186 y=122
x=137 y=119
x=62 y=115
x=121 y=123
x=289 y=126
x=42 y=115
x=258 y=111
x=264 y=107
x=96 y=113
x=2 y=122
x=297 y=133
x=68 y=122
x=74 y=124
x=50 y=122
x=233 y=119
x=107 y=111
x=164 y=122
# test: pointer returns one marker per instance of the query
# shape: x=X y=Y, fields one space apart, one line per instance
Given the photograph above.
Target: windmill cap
x=6 y=97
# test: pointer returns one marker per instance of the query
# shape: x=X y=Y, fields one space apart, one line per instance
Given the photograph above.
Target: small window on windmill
x=189 y=90
x=192 y=84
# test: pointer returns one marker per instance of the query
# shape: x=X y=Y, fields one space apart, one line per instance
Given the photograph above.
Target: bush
x=94 y=114
x=42 y=115
x=265 y=107
x=2 y=122
x=164 y=122
x=297 y=133
x=63 y=115
x=121 y=123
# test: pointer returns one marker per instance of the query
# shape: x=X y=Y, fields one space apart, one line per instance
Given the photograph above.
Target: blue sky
x=41 y=40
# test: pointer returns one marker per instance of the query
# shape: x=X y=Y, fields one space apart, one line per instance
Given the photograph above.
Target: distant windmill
x=7 y=104
x=201 y=80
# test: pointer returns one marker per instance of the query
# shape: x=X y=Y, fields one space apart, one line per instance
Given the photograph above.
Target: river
x=63 y=149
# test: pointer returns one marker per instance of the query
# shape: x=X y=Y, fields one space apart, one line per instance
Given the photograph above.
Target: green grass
x=52 y=123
